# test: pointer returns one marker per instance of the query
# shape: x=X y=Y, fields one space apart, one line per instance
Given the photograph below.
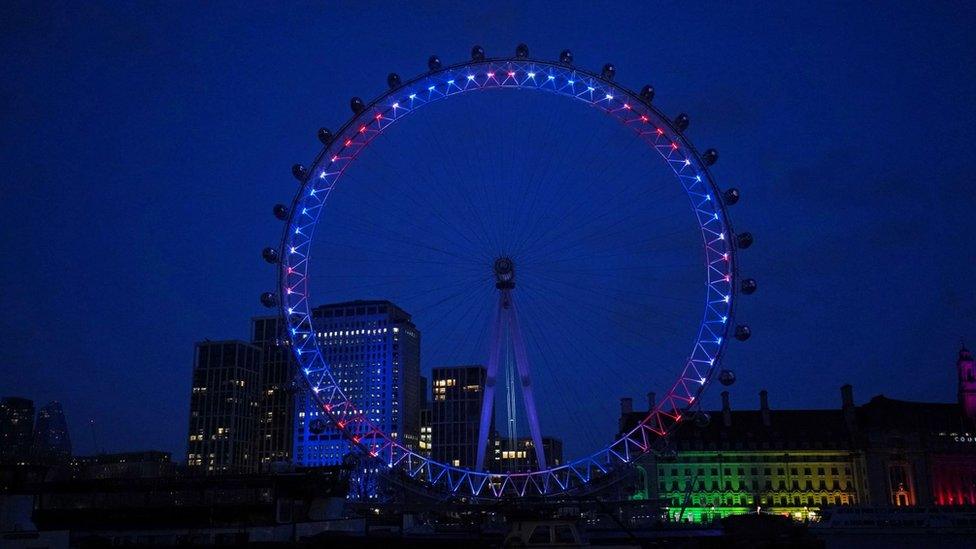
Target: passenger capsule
x=566 y=57
x=681 y=122
x=433 y=62
x=280 y=211
x=702 y=419
x=731 y=196
x=749 y=286
x=393 y=80
x=710 y=157
x=742 y=332
x=647 y=93
x=299 y=172
x=325 y=136
x=269 y=299
x=521 y=51
x=477 y=53
x=357 y=105
x=609 y=71
x=744 y=240
x=270 y=255
x=726 y=377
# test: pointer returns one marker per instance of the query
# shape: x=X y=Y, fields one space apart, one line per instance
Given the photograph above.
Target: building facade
x=917 y=453
x=276 y=401
x=373 y=352
x=223 y=408
x=885 y=453
x=426 y=442
x=519 y=456
x=16 y=429
x=52 y=444
x=782 y=461
x=456 y=414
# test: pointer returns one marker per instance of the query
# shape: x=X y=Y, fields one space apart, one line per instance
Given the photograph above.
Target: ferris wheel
x=518 y=240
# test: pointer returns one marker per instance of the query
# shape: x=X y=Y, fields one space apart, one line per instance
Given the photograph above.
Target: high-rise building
x=223 y=407
x=373 y=351
x=52 y=445
x=276 y=402
x=456 y=414
x=16 y=429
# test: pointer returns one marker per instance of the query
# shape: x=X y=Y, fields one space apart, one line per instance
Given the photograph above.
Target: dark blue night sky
x=143 y=147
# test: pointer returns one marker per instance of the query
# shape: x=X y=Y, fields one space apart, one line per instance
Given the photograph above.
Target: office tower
x=373 y=351
x=52 y=445
x=16 y=429
x=456 y=414
x=276 y=402
x=223 y=407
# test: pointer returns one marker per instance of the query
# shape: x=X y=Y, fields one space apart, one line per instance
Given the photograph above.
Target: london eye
x=558 y=229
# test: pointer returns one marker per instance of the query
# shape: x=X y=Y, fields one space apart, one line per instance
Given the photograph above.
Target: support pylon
x=506 y=321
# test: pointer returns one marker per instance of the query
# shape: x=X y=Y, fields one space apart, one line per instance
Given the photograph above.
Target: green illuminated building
x=784 y=461
x=885 y=453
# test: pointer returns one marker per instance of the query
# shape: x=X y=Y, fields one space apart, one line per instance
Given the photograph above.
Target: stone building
x=883 y=453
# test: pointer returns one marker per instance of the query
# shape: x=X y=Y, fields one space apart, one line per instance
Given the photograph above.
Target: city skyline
x=40 y=437
x=842 y=298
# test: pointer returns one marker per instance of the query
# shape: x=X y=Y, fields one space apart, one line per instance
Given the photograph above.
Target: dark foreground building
x=885 y=453
x=197 y=510
x=147 y=464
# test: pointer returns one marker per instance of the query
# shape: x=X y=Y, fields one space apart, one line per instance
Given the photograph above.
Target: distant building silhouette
x=52 y=445
x=373 y=351
x=16 y=429
x=456 y=414
x=223 y=407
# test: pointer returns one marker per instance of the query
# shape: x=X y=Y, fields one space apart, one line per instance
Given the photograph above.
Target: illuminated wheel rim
x=650 y=126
